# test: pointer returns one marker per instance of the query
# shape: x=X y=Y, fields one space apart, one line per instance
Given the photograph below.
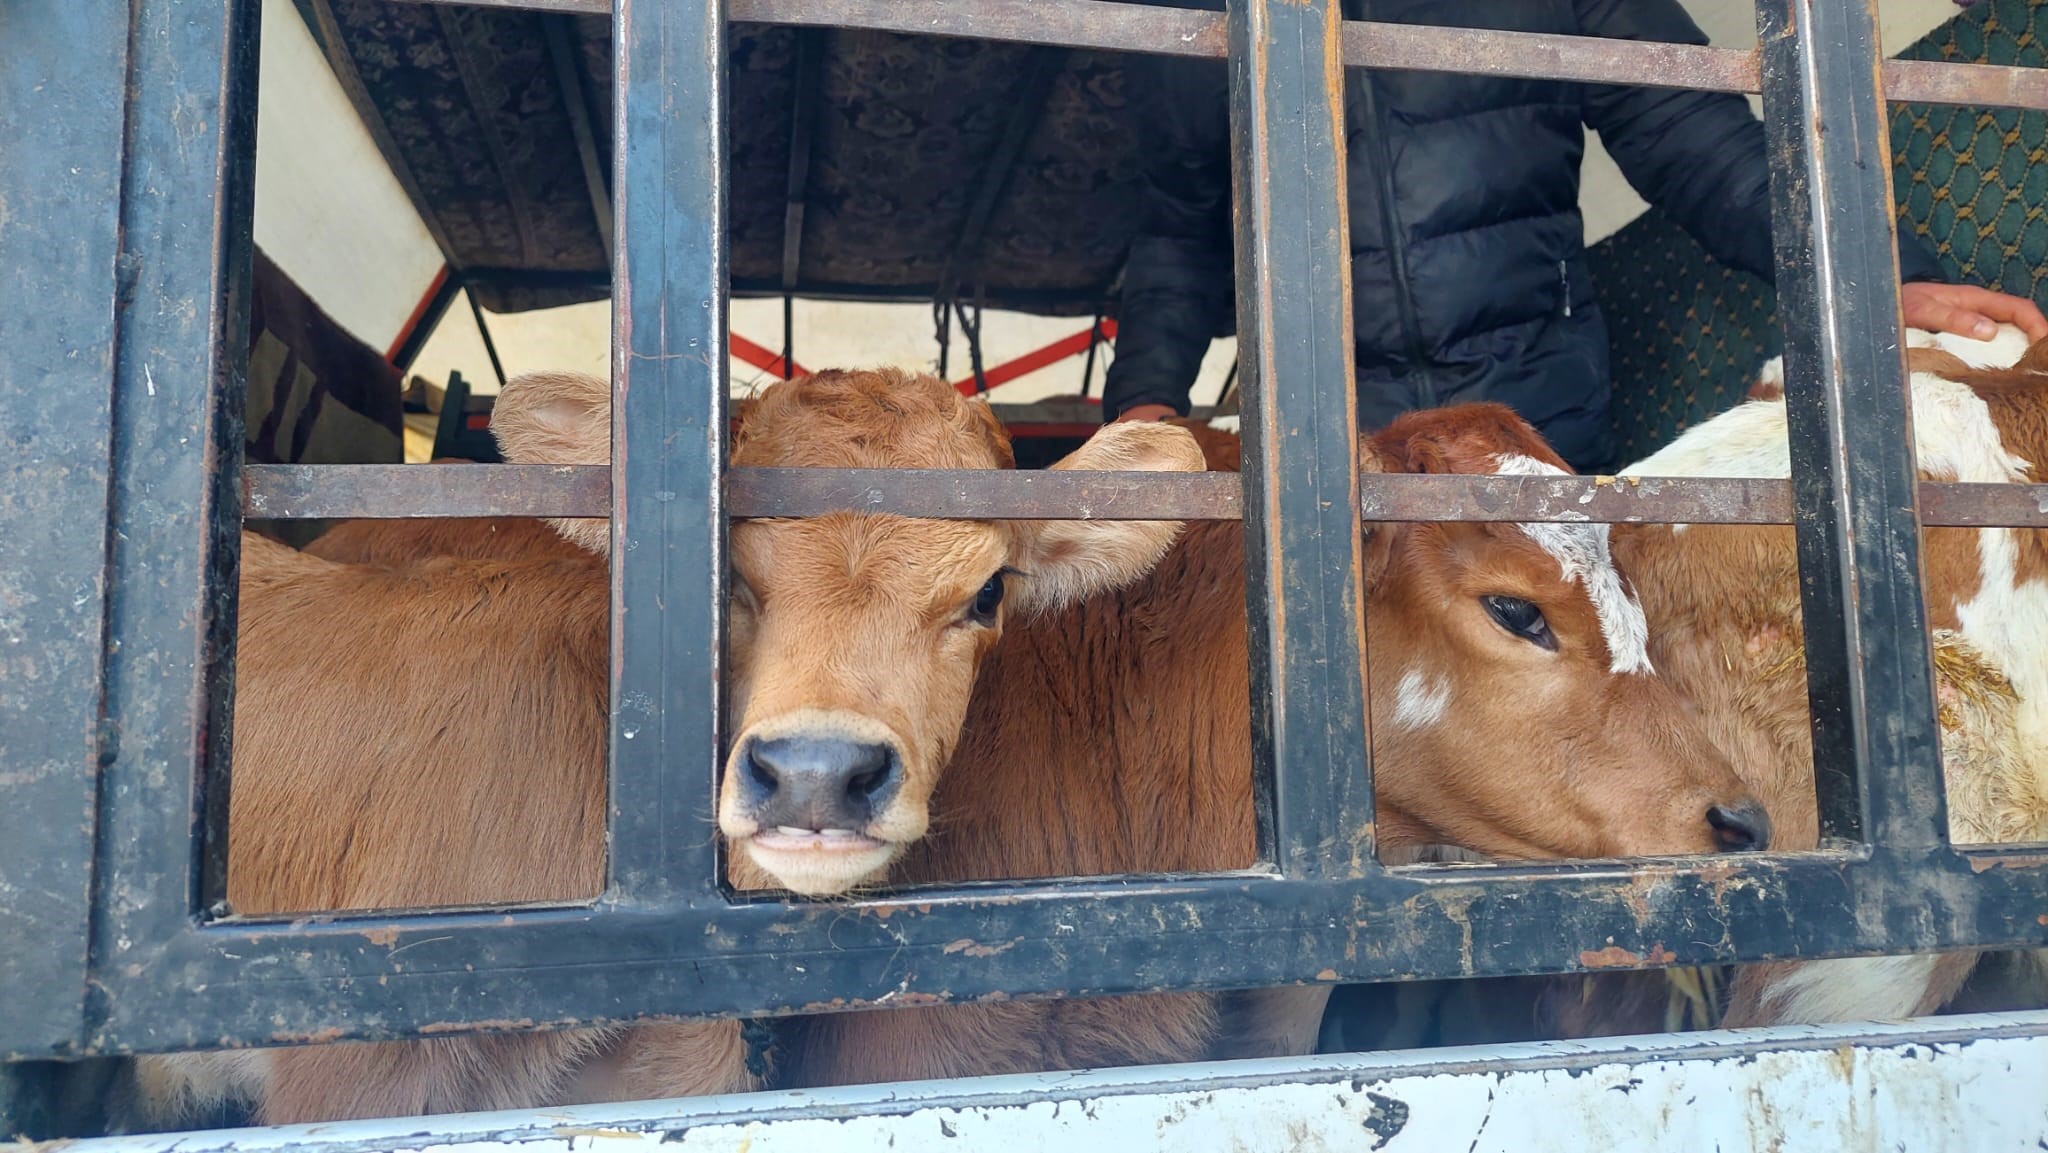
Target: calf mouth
x=784 y=839
x=816 y=800
x=820 y=862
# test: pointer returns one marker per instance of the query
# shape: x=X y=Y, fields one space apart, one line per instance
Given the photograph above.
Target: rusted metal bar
x=669 y=428
x=296 y=492
x=1970 y=85
x=1177 y=32
x=1591 y=59
x=764 y=492
x=1303 y=543
x=391 y=491
x=1877 y=761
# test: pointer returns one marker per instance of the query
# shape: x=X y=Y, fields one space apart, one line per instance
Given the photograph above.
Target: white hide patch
x=1747 y=442
x=2001 y=351
x=1850 y=989
x=1582 y=554
x=1420 y=701
x=1954 y=438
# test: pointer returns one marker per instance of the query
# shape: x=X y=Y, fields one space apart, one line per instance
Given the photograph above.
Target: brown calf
x=1723 y=603
x=1112 y=737
x=430 y=729
x=1177 y=796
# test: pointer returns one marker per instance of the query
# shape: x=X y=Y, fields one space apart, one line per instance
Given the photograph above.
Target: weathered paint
x=1960 y=1083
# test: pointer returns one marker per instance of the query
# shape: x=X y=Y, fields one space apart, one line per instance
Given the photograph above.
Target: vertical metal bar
x=668 y=447
x=1303 y=549
x=483 y=330
x=182 y=348
x=60 y=84
x=1854 y=490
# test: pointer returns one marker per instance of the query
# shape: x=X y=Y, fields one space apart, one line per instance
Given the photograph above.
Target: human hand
x=1966 y=310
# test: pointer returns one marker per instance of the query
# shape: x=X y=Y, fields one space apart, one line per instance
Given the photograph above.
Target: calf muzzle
x=817 y=785
x=1740 y=828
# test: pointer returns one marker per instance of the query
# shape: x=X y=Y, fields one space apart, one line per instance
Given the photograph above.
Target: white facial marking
x=1581 y=553
x=1419 y=701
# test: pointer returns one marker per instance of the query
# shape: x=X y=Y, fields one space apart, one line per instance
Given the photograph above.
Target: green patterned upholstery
x=1688 y=333
x=1971 y=181
x=1685 y=332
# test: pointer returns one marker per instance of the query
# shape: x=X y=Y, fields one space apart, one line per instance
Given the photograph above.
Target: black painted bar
x=1853 y=480
x=1303 y=552
x=58 y=95
x=175 y=503
x=668 y=446
x=665 y=941
x=380 y=977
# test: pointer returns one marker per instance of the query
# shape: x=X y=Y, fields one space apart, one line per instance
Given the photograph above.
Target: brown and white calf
x=1107 y=738
x=1113 y=737
x=1723 y=607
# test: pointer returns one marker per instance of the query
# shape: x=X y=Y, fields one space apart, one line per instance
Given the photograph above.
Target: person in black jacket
x=1469 y=277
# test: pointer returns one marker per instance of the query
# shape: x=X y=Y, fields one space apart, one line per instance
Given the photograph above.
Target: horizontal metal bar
x=383 y=976
x=1479 y=51
x=393 y=491
x=294 y=492
x=1934 y=1084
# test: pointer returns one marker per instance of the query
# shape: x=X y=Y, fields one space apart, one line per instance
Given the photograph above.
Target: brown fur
x=1125 y=778
x=1724 y=606
x=427 y=728
x=1132 y=707
x=398 y=542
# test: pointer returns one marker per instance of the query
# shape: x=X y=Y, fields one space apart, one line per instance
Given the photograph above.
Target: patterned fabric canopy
x=467 y=105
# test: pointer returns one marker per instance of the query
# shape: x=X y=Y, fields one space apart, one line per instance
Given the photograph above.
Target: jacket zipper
x=1390 y=228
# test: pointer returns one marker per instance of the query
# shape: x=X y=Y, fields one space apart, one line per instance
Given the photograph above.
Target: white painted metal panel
x=1954 y=1084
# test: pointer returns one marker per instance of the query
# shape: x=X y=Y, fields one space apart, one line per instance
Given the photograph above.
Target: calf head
x=855 y=638
x=1515 y=711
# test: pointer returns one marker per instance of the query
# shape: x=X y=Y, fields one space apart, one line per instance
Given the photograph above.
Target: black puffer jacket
x=1468 y=262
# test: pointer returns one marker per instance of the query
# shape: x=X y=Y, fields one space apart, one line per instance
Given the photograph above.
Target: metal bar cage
x=111 y=859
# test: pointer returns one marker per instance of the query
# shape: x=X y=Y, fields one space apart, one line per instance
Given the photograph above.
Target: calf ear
x=1378 y=537
x=1464 y=438
x=558 y=418
x=1066 y=560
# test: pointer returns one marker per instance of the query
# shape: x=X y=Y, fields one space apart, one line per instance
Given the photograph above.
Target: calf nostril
x=818 y=783
x=760 y=769
x=870 y=772
x=1740 y=828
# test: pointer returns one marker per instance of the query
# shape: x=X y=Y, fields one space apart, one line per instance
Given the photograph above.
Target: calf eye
x=987 y=601
x=741 y=591
x=1521 y=618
